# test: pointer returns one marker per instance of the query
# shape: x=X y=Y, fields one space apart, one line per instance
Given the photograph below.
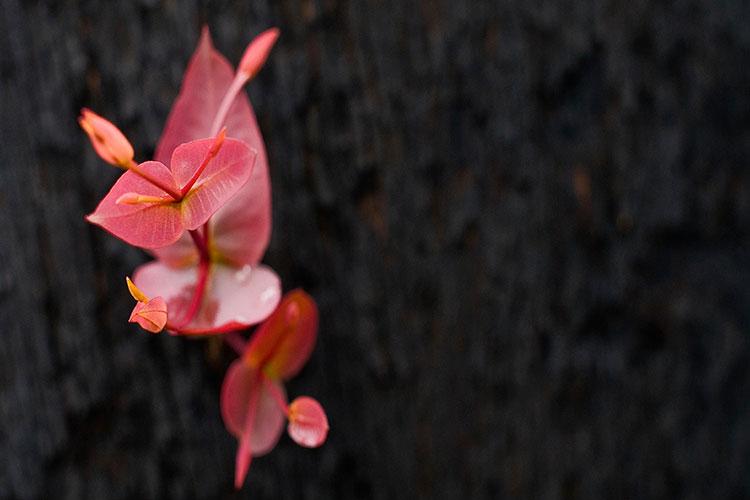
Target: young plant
x=253 y=400
x=202 y=207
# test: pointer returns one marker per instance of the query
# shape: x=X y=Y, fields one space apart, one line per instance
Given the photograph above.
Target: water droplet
x=268 y=294
x=243 y=275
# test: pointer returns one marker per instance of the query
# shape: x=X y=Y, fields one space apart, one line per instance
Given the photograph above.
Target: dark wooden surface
x=525 y=223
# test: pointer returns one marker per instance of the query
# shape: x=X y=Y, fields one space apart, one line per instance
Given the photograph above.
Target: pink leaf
x=221 y=179
x=183 y=253
x=308 y=424
x=241 y=384
x=284 y=342
x=147 y=225
x=242 y=463
x=235 y=298
x=242 y=228
x=269 y=421
x=151 y=315
x=144 y=215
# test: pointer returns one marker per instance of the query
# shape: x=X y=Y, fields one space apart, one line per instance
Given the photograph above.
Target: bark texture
x=525 y=223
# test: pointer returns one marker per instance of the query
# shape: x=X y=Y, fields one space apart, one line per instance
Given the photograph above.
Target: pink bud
x=257 y=52
x=109 y=143
x=308 y=424
x=150 y=315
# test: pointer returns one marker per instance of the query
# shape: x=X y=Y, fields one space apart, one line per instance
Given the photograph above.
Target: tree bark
x=525 y=224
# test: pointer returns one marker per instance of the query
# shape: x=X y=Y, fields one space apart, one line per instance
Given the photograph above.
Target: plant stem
x=236 y=342
x=275 y=393
x=212 y=152
x=200 y=291
x=133 y=167
x=201 y=243
x=239 y=81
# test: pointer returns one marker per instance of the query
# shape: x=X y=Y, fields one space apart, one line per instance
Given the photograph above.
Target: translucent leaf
x=242 y=228
x=234 y=298
x=146 y=225
x=308 y=424
x=284 y=342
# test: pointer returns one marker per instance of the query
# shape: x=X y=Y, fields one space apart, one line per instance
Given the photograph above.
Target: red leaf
x=242 y=388
x=308 y=424
x=284 y=342
x=144 y=215
x=183 y=253
x=221 y=179
x=146 y=225
x=242 y=228
x=151 y=315
x=251 y=414
x=235 y=298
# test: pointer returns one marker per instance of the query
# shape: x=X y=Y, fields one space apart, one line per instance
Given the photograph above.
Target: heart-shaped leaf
x=251 y=414
x=146 y=216
x=234 y=298
x=284 y=342
x=241 y=229
x=308 y=424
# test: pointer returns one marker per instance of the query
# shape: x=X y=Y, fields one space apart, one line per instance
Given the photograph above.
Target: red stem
x=240 y=79
x=236 y=342
x=204 y=266
x=133 y=167
x=201 y=243
x=212 y=152
x=275 y=393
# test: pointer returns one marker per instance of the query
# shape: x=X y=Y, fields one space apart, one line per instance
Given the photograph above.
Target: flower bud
x=109 y=143
x=257 y=52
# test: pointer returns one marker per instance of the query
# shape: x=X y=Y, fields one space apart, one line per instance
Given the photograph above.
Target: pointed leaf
x=284 y=342
x=235 y=298
x=147 y=225
x=134 y=291
x=269 y=421
x=242 y=463
x=308 y=424
x=242 y=228
x=150 y=315
x=222 y=178
x=241 y=384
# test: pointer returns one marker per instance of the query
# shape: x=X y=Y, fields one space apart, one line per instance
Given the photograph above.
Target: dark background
x=525 y=224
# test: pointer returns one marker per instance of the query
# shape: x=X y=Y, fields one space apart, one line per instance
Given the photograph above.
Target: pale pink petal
x=222 y=178
x=283 y=343
x=242 y=228
x=146 y=225
x=308 y=424
x=235 y=298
